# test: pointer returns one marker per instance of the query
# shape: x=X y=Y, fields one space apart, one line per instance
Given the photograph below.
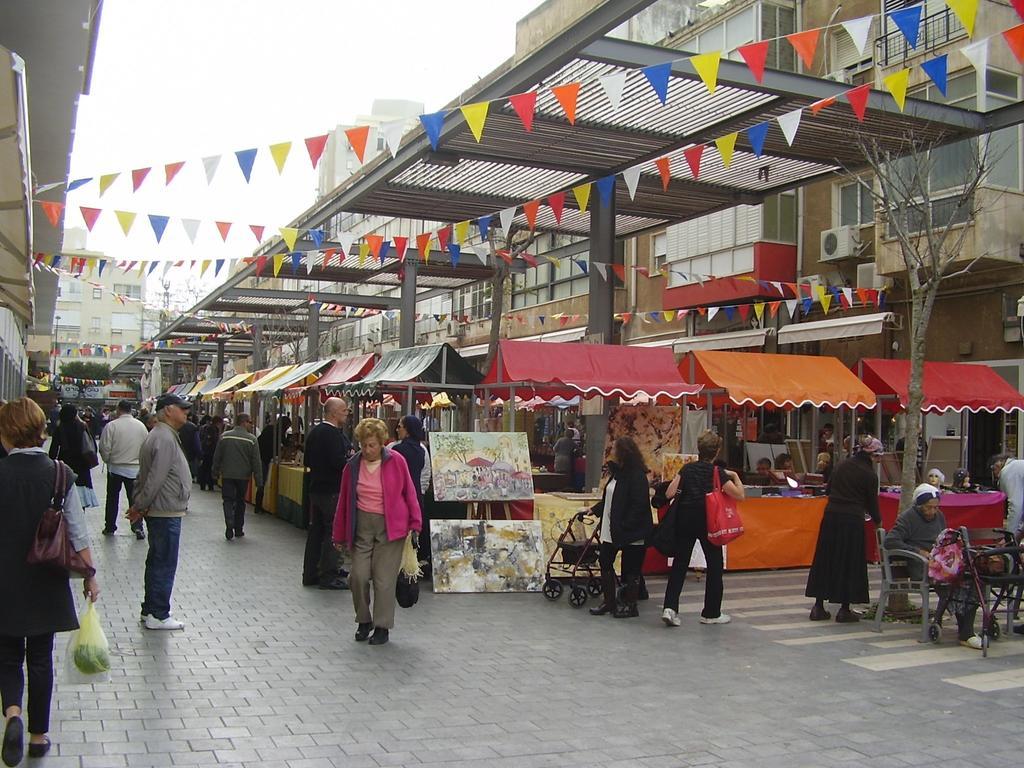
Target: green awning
x=437 y=365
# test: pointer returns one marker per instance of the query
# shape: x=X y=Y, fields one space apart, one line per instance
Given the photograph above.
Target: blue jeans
x=161 y=565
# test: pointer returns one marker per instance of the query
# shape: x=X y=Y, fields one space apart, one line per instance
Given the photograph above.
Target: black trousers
x=232 y=492
x=712 y=578
x=206 y=481
x=36 y=653
x=114 y=484
x=632 y=559
x=320 y=562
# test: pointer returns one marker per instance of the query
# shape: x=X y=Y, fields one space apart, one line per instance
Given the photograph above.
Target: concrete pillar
x=219 y=365
x=313 y=333
x=407 y=320
x=195 y=366
x=257 y=345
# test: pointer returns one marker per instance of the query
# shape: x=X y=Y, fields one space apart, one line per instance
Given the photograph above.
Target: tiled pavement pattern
x=267 y=674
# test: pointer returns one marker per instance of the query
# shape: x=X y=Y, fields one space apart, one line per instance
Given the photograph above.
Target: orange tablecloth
x=778 y=533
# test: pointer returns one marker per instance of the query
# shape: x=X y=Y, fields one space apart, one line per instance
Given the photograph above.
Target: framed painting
x=487 y=555
x=481 y=466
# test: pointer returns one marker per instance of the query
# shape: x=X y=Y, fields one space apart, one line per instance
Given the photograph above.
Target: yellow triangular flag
x=826 y=302
x=142 y=266
x=426 y=250
x=726 y=145
x=669 y=316
x=461 y=231
x=364 y=251
x=966 y=11
x=90 y=265
x=706 y=65
x=278 y=261
x=896 y=84
x=280 y=154
x=204 y=266
x=106 y=181
x=289 y=235
x=125 y=219
x=476 y=116
x=759 y=309
x=582 y=195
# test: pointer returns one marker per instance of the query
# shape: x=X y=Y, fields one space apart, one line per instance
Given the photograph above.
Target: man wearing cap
x=120 y=445
x=161 y=498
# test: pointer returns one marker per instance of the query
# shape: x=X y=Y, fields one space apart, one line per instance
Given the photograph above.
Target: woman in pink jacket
x=377 y=508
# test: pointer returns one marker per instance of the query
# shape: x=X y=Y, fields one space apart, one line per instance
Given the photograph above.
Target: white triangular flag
x=482 y=251
x=858 y=30
x=848 y=294
x=632 y=177
x=977 y=54
x=191 y=228
x=613 y=85
x=392 y=132
x=778 y=287
x=791 y=306
x=345 y=240
x=789 y=123
x=167 y=266
x=210 y=164
x=507 y=216
x=601 y=268
x=700 y=279
x=712 y=311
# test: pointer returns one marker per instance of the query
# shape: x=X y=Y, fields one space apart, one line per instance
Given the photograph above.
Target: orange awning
x=782 y=381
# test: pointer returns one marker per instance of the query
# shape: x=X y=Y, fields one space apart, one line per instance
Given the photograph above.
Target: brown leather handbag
x=52 y=544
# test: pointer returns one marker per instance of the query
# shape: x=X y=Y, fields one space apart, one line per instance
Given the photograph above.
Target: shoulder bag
x=724 y=522
x=663 y=537
x=52 y=544
x=89 y=457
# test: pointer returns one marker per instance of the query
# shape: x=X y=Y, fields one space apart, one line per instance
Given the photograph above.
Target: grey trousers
x=377 y=560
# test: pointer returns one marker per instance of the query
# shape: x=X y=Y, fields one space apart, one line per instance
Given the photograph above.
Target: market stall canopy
x=208 y=386
x=589 y=369
x=782 y=381
x=835 y=328
x=947 y=386
x=753 y=337
x=436 y=365
x=15 y=190
x=300 y=374
x=225 y=388
x=268 y=382
x=342 y=372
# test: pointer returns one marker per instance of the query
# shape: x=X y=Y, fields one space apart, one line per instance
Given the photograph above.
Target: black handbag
x=663 y=537
x=407 y=590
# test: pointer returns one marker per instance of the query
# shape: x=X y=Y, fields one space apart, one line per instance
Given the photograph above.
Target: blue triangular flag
x=484 y=223
x=657 y=75
x=384 y=246
x=908 y=20
x=152 y=266
x=654 y=317
x=73 y=185
x=541 y=318
x=730 y=312
x=56 y=260
x=936 y=69
x=432 y=124
x=246 y=157
x=296 y=260
x=317 y=236
x=159 y=224
x=582 y=265
x=217 y=266
x=605 y=187
x=756 y=135
x=456 y=252
x=103 y=264
x=807 y=304
x=881 y=299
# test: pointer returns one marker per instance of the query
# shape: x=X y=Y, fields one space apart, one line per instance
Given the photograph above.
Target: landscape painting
x=487 y=555
x=481 y=466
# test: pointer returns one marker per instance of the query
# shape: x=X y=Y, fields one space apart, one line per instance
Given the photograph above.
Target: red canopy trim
x=959 y=387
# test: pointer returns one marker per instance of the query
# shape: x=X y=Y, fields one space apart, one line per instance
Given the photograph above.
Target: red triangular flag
x=567 y=95
x=665 y=171
x=530 y=209
x=744 y=310
x=224 y=227
x=443 y=234
x=773 y=307
x=315 y=146
x=171 y=170
x=524 y=105
x=805 y=44
x=400 y=243
x=1015 y=38
x=261 y=262
x=858 y=98
x=692 y=156
x=1018 y=6
x=90 y=215
x=755 y=54
x=820 y=104
x=557 y=205
x=138 y=176
x=52 y=210
x=357 y=138
x=620 y=271
x=257 y=229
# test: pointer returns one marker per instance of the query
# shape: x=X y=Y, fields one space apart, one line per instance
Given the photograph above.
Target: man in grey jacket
x=161 y=498
x=120 y=444
x=236 y=459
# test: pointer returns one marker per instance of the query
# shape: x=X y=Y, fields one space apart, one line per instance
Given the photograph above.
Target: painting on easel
x=481 y=466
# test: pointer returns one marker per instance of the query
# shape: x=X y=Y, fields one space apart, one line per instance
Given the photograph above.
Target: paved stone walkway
x=267 y=674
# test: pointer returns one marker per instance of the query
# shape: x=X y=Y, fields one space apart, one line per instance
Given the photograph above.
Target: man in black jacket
x=327 y=450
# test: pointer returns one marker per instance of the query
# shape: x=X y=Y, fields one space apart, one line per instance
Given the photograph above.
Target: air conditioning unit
x=868 y=277
x=840 y=243
x=840 y=76
x=455 y=329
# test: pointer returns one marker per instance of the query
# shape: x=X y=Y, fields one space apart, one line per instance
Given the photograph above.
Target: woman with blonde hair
x=377 y=509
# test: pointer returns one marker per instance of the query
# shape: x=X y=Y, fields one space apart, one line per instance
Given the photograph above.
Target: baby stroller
x=575 y=558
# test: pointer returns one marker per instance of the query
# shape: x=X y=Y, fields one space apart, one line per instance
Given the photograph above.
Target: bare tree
x=930 y=241
x=516 y=243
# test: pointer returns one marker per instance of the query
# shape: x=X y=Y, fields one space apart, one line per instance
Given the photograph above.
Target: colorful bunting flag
x=90 y=215
x=789 y=123
x=657 y=76
x=171 y=170
x=357 y=138
x=567 y=95
x=364 y=251
x=204 y=265
x=706 y=65
x=191 y=227
x=125 y=219
x=806 y=45
x=375 y=242
x=443 y=236
x=392 y=131
x=401 y=243
x=159 y=224
x=756 y=55
x=289 y=235
x=106 y=180
x=223 y=227
x=1015 y=40
x=859 y=31
x=138 y=176
x=246 y=158
x=582 y=195
x=966 y=11
x=665 y=171
x=384 y=248
x=605 y=188
x=484 y=225
x=476 y=116
x=461 y=231
x=556 y=203
x=726 y=145
x=279 y=153
x=897 y=84
x=507 y=215
x=712 y=311
x=756 y=134
x=53 y=210
x=977 y=54
x=530 y=209
x=693 y=155
x=908 y=21
x=210 y=165
x=937 y=69
x=858 y=98
x=455 y=251
x=1018 y=6
x=632 y=178
x=613 y=85
x=524 y=105
x=257 y=231
x=278 y=261
x=423 y=245
x=432 y=124
x=820 y=104
x=218 y=265
x=759 y=310
x=78 y=183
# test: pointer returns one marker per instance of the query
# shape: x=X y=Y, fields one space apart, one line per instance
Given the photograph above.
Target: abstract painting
x=487 y=555
x=657 y=429
x=481 y=466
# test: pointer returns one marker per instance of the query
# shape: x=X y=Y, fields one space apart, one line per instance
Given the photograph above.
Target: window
x=777 y=22
x=94 y=325
x=126 y=289
x=659 y=251
x=67 y=322
x=70 y=290
x=856 y=206
x=97 y=293
x=124 y=321
x=531 y=287
x=779 y=218
x=475 y=301
x=734 y=261
x=1002 y=89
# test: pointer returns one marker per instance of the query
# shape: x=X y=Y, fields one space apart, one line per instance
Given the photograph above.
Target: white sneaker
x=972 y=642
x=168 y=623
x=724 y=618
x=670 y=617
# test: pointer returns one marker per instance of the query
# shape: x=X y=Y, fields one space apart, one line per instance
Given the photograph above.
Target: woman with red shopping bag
x=694 y=481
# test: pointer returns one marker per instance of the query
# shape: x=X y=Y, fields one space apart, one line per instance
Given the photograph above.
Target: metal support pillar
x=407 y=319
x=219 y=365
x=313 y=333
x=175 y=371
x=603 y=250
x=257 y=345
x=195 y=366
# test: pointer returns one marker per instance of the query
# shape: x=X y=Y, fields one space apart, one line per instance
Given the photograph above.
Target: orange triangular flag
x=223 y=227
x=138 y=176
x=52 y=210
x=805 y=44
x=665 y=170
x=171 y=170
x=820 y=104
x=423 y=245
x=375 y=242
x=257 y=229
x=858 y=98
x=357 y=138
x=567 y=95
x=1014 y=37
x=530 y=209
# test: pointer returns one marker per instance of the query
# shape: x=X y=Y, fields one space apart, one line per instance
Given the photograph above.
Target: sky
x=189 y=79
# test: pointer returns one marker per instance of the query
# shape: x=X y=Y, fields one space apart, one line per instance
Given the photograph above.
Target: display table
x=972 y=510
x=547 y=482
x=291 y=494
x=779 y=532
x=269 y=490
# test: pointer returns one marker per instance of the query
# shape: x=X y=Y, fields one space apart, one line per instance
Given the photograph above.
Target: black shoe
x=239 y=534
x=140 y=534
x=39 y=750
x=363 y=631
x=626 y=611
x=380 y=636
x=338 y=583
x=311 y=582
x=14 y=742
x=109 y=531
x=1019 y=629
x=846 y=616
x=819 y=614
x=602 y=610
x=643 y=593
x=229 y=533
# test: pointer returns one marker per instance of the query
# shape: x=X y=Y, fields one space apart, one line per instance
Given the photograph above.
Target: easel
x=483 y=510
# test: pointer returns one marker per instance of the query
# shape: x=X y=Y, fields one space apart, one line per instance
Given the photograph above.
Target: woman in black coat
x=36 y=599
x=69 y=444
x=411 y=444
x=626 y=521
x=839 y=572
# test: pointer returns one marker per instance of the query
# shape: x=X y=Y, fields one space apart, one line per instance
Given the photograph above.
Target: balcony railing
x=936 y=30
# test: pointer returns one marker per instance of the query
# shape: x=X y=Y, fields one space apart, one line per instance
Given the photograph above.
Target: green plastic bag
x=87 y=659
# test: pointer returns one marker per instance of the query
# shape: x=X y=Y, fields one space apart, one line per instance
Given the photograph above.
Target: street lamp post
x=56 y=345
